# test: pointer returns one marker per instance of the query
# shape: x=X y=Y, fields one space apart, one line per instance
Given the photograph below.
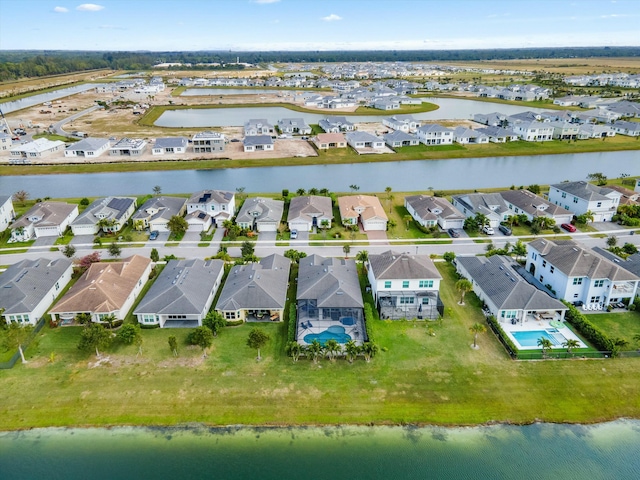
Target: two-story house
x=430 y=211
x=491 y=205
x=434 y=134
x=582 y=197
x=220 y=205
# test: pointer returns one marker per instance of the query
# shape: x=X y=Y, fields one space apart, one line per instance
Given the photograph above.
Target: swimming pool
x=335 y=332
x=530 y=338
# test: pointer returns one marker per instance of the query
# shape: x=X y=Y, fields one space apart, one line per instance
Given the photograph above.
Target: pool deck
x=535 y=325
x=356 y=332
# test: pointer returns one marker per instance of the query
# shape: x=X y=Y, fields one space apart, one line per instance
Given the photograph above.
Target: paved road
x=57 y=127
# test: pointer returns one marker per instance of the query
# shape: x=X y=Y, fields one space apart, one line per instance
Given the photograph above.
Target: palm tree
x=545 y=344
x=476 y=329
x=370 y=349
x=570 y=343
x=346 y=249
x=332 y=347
x=463 y=286
x=315 y=349
x=294 y=349
x=363 y=256
x=301 y=192
x=352 y=350
x=389 y=197
x=407 y=219
x=354 y=187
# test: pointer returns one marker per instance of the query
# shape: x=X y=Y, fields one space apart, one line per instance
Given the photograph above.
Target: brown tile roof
x=368 y=205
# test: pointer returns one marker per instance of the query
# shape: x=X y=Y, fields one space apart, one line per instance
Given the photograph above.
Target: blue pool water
x=348 y=321
x=530 y=338
x=335 y=331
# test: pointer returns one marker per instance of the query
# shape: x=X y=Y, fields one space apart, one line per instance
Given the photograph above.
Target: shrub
x=588 y=330
x=368 y=320
x=291 y=331
x=495 y=325
x=233 y=323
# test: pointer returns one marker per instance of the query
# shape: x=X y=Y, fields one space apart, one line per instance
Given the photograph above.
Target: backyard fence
x=12 y=361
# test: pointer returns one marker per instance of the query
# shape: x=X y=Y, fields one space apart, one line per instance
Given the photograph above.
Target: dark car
x=504 y=229
x=153 y=235
x=568 y=227
x=453 y=233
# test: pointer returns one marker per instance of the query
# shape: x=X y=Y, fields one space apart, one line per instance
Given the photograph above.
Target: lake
x=8 y=107
x=544 y=451
x=449 y=109
x=415 y=175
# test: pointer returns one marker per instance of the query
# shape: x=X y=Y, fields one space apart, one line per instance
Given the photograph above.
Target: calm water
x=8 y=107
x=462 y=173
x=501 y=452
x=450 y=108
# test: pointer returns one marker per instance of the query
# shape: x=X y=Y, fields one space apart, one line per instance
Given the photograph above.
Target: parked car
x=568 y=227
x=154 y=235
x=504 y=229
x=488 y=230
x=453 y=233
x=294 y=234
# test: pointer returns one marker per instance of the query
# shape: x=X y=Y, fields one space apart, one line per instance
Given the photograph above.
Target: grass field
x=624 y=325
x=417 y=378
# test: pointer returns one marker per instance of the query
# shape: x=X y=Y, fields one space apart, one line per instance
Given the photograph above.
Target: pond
x=8 y=107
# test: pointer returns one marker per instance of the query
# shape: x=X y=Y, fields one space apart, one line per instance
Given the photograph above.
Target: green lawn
x=417 y=378
x=622 y=325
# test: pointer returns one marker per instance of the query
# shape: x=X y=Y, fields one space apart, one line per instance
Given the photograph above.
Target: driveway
x=267 y=238
x=191 y=237
x=606 y=226
x=158 y=242
x=378 y=237
x=44 y=241
x=82 y=239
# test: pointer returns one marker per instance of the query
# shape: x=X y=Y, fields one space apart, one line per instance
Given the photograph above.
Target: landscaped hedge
x=588 y=330
x=233 y=323
x=495 y=326
x=368 y=320
x=291 y=331
x=148 y=327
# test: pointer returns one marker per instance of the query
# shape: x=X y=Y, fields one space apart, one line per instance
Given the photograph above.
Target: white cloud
x=60 y=10
x=263 y=2
x=89 y=7
x=331 y=18
x=614 y=15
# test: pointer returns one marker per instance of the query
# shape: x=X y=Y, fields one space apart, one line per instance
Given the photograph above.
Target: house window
x=551 y=269
x=541 y=278
x=564 y=195
x=575 y=295
x=598 y=283
x=577 y=281
x=426 y=283
x=425 y=300
x=595 y=299
x=387 y=284
x=575 y=199
x=405 y=284
x=230 y=315
x=407 y=300
x=544 y=263
x=57 y=285
x=213 y=207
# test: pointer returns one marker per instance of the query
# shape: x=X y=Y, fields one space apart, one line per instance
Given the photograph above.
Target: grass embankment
x=420 y=379
x=346 y=155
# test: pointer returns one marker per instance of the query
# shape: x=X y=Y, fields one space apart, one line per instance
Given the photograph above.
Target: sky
x=250 y=25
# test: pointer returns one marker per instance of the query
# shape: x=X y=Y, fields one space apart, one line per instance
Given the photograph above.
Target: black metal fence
x=12 y=361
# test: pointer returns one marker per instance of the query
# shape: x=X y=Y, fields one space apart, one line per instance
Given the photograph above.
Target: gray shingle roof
x=171 y=142
x=333 y=282
x=167 y=207
x=395 y=265
x=88 y=144
x=309 y=207
x=500 y=282
x=109 y=207
x=358 y=136
x=183 y=287
x=631 y=263
x=50 y=213
x=260 y=285
x=261 y=209
x=211 y=196
x=584 y=190
x=485 y=203
x=399 y=136
x=24 y=284
x=428 y=207
x=531 y=203
x=254 y=140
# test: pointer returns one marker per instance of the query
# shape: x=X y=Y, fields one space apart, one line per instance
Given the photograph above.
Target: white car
x=488 y=230
x=294 y=234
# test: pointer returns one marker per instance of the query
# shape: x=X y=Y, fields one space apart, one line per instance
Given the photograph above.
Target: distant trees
x=598 y=177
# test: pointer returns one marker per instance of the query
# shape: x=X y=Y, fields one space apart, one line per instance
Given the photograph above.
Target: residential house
x=256 y=291
x=590 y=130
x=403 y=123
x=467 y=136
x=577 y=274
x=430 y=211
x=258 y=143
x=329 y=300
x=386 y=103
x=494 y=119
x=5 y=142
x=310 y=212
x=107 y=214
x=533 y=131
x=326 y=141
x=565 y=130
x=434 y=134
x=37 y=148
x=258 y=126
x=491 y=205
x=582 y=197
x=170 y=145
x=631 y=129
x=219 y=204
x=524 y=202
x=499 y=284
x=295 y=126
x=182 y=294
x=260 y=214
x=336 y=125
x=29 y=287
x=87 y=147
x=498 y=134
x=44 y=219
x=365 y=210
x=398 y=139
x=208 y=142
x=405 y=286
x=628 y=197
x=198 y=221
x=128 y=147
x=105 y=289
x=156 y=212
x=360 y=141
x=7 y=213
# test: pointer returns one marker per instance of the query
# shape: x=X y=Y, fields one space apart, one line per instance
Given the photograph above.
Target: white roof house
x=37 y=148
x=87 y=147
x=166 y=145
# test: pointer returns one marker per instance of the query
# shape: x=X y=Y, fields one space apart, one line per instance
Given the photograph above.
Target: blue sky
x=316 y=24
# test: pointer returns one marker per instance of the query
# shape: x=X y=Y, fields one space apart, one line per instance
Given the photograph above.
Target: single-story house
x=363 y=209
x=325 y=141
x=309 y=212
x=107 y=214
x=44 y=219
x=361 y=140
x=106 y=288
x=430 y=211
x=87 y=147
x=258 y=143
x=399 y=138
x=29 y=287
x=182 y=294
x=296 y=126
x=129 y=147
x=466 y=136
x=176 y=145
x=156 y=212
x=256 y=291
x=631 y=129
x=336 y=125
x=492 y=205
x=403 y=123
x=498 y=134
x=524 y=202
x=37 y=148
x=260 y=214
